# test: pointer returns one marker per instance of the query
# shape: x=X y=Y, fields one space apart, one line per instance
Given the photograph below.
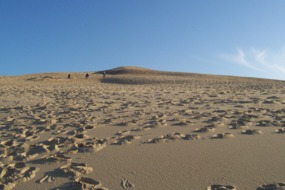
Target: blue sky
x=242 y=38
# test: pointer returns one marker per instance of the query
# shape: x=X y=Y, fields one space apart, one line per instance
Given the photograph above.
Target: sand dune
x=141 y=129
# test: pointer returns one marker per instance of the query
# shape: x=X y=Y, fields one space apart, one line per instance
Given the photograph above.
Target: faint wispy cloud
x=269 y=63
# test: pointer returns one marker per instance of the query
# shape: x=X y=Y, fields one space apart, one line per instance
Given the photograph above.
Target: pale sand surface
x=141 y=129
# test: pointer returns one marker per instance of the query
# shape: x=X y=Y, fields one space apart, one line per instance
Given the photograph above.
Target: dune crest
x=128 y=70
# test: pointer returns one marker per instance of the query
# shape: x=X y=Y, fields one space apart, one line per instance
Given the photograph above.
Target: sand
x=141 y=129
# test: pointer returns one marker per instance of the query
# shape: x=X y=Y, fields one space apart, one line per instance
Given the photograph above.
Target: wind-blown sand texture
x=141 y=129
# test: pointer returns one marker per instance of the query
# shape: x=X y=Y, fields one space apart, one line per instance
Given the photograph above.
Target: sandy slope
x=141 y=129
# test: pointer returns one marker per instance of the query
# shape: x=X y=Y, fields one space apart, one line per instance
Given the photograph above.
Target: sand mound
x=137 y=75
x=129 y=70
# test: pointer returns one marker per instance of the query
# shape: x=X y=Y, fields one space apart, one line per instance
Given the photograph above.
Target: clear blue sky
x=242 y=37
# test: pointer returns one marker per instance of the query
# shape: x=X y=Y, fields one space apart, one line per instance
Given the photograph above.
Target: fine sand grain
x=141 y=129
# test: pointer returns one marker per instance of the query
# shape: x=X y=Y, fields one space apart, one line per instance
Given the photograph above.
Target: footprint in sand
x=264 y=123
x=126 y=184
x=251 y=132
x=204 y=130
x=182 y=122
x=238 y=127
x=155 y=140
x=172 y=137
x=76 y=169
x=222 y=136
x=280 y=131
x=12 y=174
x=191 y=137
x=47 y=179
x=52 y=158
x=122 y=133
x=88 y=146
x=221 y=187
x=82 y=183
x=88 y=183
x=125 y=139
x=213 y=119
x=239 y=124
x=273 y=186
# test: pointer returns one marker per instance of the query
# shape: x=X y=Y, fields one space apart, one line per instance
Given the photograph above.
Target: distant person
x=68 y=76
x=87 y=76
x=104 y=74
